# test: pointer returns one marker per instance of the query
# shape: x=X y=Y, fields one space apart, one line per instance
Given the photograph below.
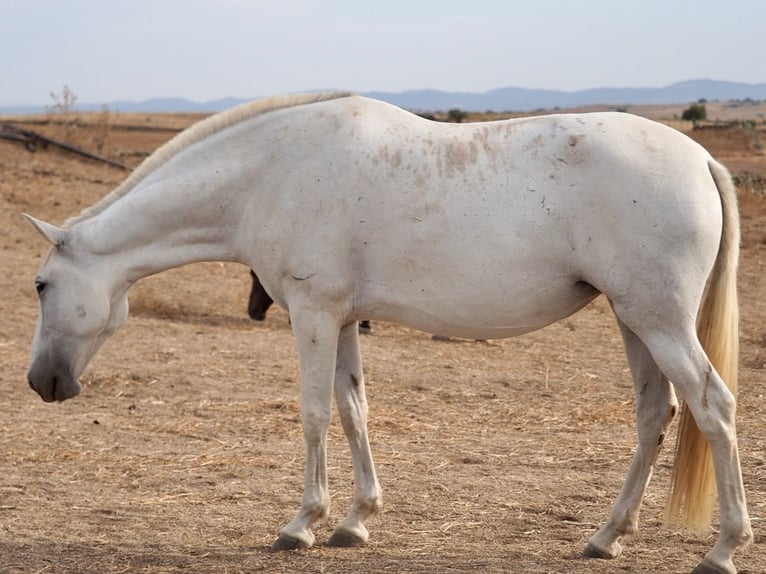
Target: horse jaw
x=54 y=235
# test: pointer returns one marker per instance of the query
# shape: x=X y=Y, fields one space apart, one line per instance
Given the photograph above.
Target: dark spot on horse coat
x=354 y=380
x=303 y=277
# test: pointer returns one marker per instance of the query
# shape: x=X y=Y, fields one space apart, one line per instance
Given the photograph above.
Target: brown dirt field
x=184 y=452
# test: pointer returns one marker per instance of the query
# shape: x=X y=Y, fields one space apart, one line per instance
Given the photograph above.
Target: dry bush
x=88 y=131
x=102 y=129
x=61 y=113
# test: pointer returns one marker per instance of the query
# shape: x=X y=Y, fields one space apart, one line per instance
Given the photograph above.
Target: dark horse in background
x=259 y=302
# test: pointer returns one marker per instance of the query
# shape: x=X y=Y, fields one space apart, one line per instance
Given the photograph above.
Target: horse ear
x=55 y=235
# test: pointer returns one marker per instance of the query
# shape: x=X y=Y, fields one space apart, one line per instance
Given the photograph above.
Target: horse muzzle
x=55 y=387
x=256 y=314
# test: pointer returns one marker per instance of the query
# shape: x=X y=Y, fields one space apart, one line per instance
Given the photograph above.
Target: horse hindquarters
x=718 y=330
x=664 y=320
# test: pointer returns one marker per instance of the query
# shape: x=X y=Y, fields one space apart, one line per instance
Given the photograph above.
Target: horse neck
x=157 y=228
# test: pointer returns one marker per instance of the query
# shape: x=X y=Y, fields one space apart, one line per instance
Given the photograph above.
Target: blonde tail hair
x=693 y=490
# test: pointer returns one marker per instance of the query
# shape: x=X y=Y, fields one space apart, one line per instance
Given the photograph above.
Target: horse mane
x=197 y=132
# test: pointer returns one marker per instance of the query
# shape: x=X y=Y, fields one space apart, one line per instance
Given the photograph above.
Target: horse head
x=78 y=312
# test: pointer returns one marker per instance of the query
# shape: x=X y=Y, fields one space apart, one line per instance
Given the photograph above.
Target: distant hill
x=499 y=100
x=524 y=100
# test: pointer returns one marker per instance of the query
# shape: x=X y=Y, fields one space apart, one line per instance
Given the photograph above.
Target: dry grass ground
x=184 y=452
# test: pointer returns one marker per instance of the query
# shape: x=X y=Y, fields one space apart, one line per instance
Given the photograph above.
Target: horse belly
x=494 y=312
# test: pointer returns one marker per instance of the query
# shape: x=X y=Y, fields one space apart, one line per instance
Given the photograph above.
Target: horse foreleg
x=352 y=407
x=316 y=336
x=656 y=405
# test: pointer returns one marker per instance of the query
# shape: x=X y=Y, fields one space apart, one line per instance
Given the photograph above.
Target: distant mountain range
x=499 y=100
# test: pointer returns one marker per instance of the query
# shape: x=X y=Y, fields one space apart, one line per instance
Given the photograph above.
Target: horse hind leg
x=672 y=340
x=352 y=407
x=656 y=405
x=713 y=407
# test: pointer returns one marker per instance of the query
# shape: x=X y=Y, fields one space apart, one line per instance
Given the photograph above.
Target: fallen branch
x=32 y=139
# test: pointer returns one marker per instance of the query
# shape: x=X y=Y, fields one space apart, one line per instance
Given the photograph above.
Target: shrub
x=694 y=113
x=456 y=115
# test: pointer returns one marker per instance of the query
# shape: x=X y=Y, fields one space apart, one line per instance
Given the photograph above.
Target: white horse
x=350 y=209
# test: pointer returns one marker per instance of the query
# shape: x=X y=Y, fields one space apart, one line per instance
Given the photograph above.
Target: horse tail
x=693 y=478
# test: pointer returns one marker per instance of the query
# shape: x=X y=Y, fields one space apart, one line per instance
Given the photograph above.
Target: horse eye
x=40 y=286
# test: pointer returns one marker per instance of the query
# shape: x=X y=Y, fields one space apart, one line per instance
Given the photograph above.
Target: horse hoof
x=285 y=542
x=705 y=568
x=345 y=539
x=593 y=552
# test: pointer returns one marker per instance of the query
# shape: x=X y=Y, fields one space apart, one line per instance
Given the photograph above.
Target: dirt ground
x=184 y=452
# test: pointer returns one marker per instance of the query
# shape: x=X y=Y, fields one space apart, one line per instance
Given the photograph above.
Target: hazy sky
x=107 y=50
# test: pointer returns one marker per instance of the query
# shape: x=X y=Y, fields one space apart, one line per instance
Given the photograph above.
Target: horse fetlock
x=737 y=538
x=323 y=513
x=297 y=534
x=744 y=535
x=747 y=537
x=315 y=509
x=719 y=559
x=369 y=506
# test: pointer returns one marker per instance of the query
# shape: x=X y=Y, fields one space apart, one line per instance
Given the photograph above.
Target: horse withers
x=352 y=208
